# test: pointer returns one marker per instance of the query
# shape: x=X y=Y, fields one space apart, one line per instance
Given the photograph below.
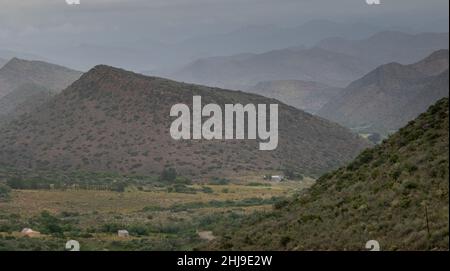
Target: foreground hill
x=117 y=121
x=388 y=97
x=304 y=95
x=395 y=193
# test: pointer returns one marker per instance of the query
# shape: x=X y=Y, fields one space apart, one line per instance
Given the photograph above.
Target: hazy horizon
x=172 y=33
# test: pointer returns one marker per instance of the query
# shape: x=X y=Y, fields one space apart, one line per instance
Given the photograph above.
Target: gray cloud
x=41 y=25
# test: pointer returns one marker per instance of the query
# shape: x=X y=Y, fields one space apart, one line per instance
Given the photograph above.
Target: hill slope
x=24 y=99
x=386 y=194
x=304 y=95
x=388 y=97
x=18 y=72
x=24 y=85
x=114 y=120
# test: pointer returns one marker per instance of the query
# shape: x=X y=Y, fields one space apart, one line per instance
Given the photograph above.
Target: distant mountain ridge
x=334 y=61
x=111 y=120
x=393 y=94
x=18 y=71
x=2 y=62
x=245 y=71
x=389 y=46
x=305 y=95
x=24 y=85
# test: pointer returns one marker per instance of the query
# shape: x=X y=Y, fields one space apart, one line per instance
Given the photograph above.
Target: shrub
x=208 y=190
x=168 y=175
x=4 y=192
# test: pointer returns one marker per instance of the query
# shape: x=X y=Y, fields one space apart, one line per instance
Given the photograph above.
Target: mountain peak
x=18 y=72
x=436 y=63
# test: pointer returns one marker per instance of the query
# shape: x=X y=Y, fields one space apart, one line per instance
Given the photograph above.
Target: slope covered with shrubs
x=395 y=193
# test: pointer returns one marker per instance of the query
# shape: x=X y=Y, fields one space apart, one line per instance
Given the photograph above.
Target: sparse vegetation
x=396 y=193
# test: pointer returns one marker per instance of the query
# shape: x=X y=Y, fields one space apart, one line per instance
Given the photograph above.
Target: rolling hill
x=24 y=85
x=112 y=120
x=18 y=72
x=304 y=95
x=24 y=99
x=393 y=94
x=395 y=193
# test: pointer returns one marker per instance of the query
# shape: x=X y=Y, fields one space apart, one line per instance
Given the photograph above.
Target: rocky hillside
x=117 y=121
x=304 y=95
x=388 y=97
x=395 y=193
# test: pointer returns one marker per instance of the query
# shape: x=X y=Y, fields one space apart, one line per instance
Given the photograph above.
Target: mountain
x=112 y=120
x=389 y=46
x=434 y=64
x=25 y=85
x=334 y=61
x=395 y=193
x=304 y=95
x=18 y=72
x=388 y=97
x=245 y=70
x=24 y=99
x=3 y=62
x=262 y=38
x=10 y=54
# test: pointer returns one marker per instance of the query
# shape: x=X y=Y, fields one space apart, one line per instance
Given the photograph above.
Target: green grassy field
x=158 y=218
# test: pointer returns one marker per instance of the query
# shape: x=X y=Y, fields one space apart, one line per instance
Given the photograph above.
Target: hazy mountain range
x=393 y=94
x=10 y=54
x=395 y=193
x=148 y=53
x=389 y=46
x=17 y=72
x=3 y=62
x=262 y=38
x=24 y=85
x=117 y=121
x=246 y=70
x=305 y=95
x=335 y=62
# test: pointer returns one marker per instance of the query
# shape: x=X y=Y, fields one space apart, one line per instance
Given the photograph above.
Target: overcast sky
x=27 y=24
x=179 y=19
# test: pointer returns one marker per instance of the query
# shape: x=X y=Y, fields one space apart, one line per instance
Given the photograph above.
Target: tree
x=16 y=183
x=168 y=175
x=119 y=186
x=4 y=192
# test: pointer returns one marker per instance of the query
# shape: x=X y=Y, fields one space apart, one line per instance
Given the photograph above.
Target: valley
x=157 y=217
